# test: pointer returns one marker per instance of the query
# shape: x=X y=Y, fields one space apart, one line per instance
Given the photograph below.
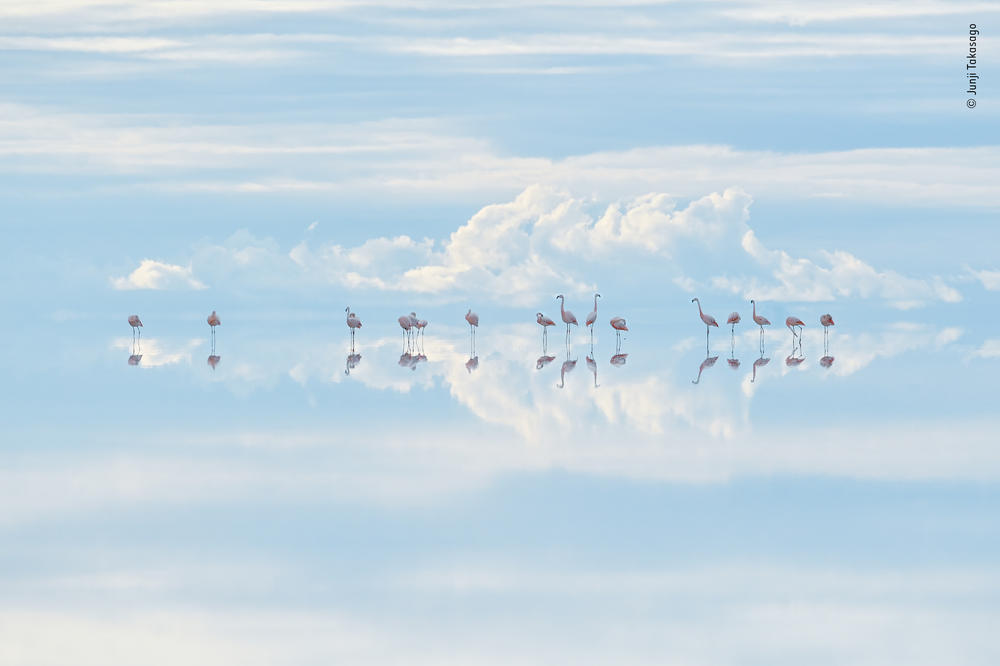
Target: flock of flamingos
x=413 y=335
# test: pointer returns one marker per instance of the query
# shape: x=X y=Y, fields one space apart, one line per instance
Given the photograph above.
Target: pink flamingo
x=136 y=324
x=135 y=359
x=567 y=316
x=708 y=319
x=419 y=325
x=472 y=364
x=406 y=325
x=213 y=321
x=760 y=321
x=826 y=361
x=213 y=361
x=352 y=323
x=352 y=362
x=827 y=322
x=793 y=361
x=473 y=320
x=544 y=322
x=734 y=363
x=792 y=322
x=618 y=323
x=618 y=360
x=591 y=318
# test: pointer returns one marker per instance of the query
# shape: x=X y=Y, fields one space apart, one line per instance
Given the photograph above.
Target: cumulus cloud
x=989 y=279
x=989 y=349
x=152 y=274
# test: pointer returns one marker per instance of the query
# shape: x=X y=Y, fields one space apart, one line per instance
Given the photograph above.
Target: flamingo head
x=347 y=309
x=695 y=300
x=560 y=296
x=538 y=314
x=597 y=295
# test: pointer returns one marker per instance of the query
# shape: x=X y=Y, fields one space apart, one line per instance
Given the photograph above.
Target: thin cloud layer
x=152 y=274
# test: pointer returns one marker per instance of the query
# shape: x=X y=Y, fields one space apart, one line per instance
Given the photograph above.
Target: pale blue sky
x=279 y=161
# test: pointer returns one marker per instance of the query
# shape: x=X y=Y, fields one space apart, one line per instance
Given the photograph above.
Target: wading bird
x=827 y=322
x=544 y=322
x=707 y=363
x=760 y=321
x=136 y=324
x=792 y=322
x=543 y=361
x=473 y=320
x=709 y=321
x=406 y=325
x=618 y=323
x=592 y=317
x=567 y=366
x=352 y=322
x=759 y=363
x=567 y=316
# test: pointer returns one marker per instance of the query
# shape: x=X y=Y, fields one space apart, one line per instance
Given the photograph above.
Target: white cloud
x=989 y=349
x=152 y=274
x=990 y=279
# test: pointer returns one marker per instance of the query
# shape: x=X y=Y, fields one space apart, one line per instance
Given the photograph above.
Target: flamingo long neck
x=595 y=302
x=562 y=305
x=754 y=304
x=699 y=305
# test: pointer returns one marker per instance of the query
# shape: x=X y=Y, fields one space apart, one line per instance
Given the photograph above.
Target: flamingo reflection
x=592 y=366
x=567 y=366
x=135 y=359
x=826 y=361
x=352 y=362
x=759 y=363
x=543 y=361
x=618 y=360
x=472 y=364
x=213 y=360
x=707 y=363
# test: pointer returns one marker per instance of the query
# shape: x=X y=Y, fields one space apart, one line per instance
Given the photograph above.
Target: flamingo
x=708 y=319
x=473 y=320
x=135 y=359
x=761 y=321
x=472 y=364
x=544 y=322
x=592 y=317
x=567 y=316
x=352 y=323
x=618 y=323
x=734 y=363
x=734 y=318
x=827 y=322
x=826 y=361
x=793 y=361
x=352 y=362
x=419 y=325
x=707 y=363
x=406 y=325
x=136 y=324
x=792 y=322
x=213 y=361
x=618 y=360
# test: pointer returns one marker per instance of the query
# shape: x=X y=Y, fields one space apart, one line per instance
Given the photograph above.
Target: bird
x=827 y=322
x=708 y=319
x=472 y=364
x=406 y=325
x=136 y=324
x=792 y=322
x=618 y=323
x=213 y=321
x=213 y=361
x=734 y=318
x=135 y=359
x=734 y=363
x=793 y=361
x=707 y=363
x=352 y=321
x=352 y=362
x=760 y=320
x=418 y=324
x=618 y=360
x=592 y=317
x=826 y=361
x=567 y=316
x=544 y=322
x=473 y=320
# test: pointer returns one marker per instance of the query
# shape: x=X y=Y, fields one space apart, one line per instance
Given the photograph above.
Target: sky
x=286 y=498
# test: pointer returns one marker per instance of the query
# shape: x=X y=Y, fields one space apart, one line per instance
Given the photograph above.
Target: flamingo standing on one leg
x=761 y=321
x=618 y=323
x=544 y=322
x=352 y=323
x=591 y=318
x=827 y=322
x=708 y=319
x=567 y=316
x=473 y=320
